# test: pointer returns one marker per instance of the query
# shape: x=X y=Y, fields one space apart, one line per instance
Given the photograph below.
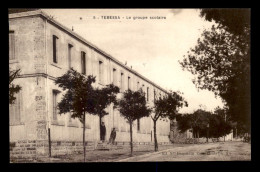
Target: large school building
x=44 y=49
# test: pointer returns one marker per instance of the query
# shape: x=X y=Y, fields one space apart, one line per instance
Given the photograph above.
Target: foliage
x=220 y=62
x=237 y=23
x=202 y=121
x=168 y=106
x=219 y=125
x=235 y=20
x=199 y=121
x=104 y=97
x=79 y=96
x=13 y=89
x=133 y=105
x=183 y=122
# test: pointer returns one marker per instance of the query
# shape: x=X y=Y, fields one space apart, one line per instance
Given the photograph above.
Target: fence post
x=49 y=138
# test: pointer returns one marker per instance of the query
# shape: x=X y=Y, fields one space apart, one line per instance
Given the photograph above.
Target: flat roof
x=83 y=40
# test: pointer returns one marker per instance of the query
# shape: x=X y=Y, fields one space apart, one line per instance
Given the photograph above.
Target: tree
x=132 y=106
x=235 y=20
x=202 y=121
x=103 y=98
x=220 y=62
x=166 y=107
x=218 y=126
x=197 y=122
x=79 y=98
x=221 y=124
x=183 y=122
x=13 y=89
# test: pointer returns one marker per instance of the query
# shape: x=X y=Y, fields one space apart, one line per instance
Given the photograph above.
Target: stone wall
x=23 y=149
x=32 y=149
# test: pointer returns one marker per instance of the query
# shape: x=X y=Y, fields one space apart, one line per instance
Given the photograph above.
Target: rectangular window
x=128 y=83
x=100 y=71
x=83 y=62
x=54 y=95
x=15 y=110
x=11 y=45
x=137 y=85
x=69 y=54
x=147 y=94
x=154 y=94
x=55 y=49
x=121 y=81
x=114 y=77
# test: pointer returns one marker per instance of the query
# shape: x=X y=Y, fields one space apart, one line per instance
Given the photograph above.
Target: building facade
x=44 y=49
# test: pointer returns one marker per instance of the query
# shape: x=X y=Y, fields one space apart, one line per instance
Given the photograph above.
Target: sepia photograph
x=129 y=85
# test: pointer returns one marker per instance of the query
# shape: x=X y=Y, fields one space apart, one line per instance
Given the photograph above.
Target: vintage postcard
x=129 y=85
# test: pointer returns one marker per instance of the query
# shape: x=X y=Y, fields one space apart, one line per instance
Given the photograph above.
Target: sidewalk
x=106 y=155
x=152 y=154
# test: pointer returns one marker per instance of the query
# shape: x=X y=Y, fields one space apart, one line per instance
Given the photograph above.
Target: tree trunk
x=84 y=147
x=99 y=127
x=198 y=140
x=49 y=138
x=131 y=138
x=207 y=135
x=155 y=136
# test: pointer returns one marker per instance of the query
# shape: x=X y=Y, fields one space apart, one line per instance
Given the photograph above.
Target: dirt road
x=221 y=151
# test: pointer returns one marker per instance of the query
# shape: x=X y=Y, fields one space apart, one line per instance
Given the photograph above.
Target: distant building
x=44 y=49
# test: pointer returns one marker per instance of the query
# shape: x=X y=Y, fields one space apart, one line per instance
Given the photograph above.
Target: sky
x=150 y=45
